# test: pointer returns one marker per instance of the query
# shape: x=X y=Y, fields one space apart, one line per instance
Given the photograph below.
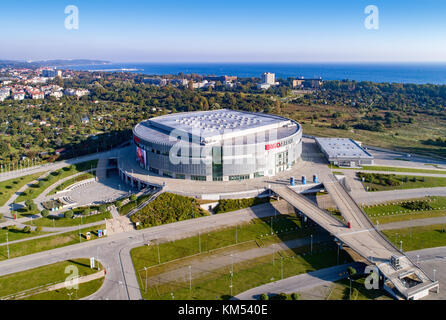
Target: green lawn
x=383 y=182
x=399 y=211
x=249 y=235
x=341 y=291
x=46 y=275
x=416 y=238
x=85 y=289
x=47 y=243
x=9 y=187
x=392 y=169
x=18 y=234
x=64 y=222
x=228 y=205
x=35 y=190
x=258 y=230
x=72 y=181
x=247 y=274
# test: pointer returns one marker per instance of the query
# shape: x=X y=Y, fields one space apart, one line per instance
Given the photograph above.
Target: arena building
x=218 y=145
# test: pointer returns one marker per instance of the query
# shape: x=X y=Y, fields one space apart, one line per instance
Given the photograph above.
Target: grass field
x=36 y=189
x=85 y=289
x=398 y=211
x=47 y=243
x=404 y=182
x=416 y=238
x=9 y=187
x=391 y=169
x=53 y=221
x=341 y=291
x=247 y=274
x=15 y=234
x=47 y=275
x=255 y=230
x=255 y=272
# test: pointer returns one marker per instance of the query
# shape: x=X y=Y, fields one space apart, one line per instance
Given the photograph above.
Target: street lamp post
x=349 y=278
x=145 y=269
x=190 y=278
x=271 y=225
x=434 y=274
x=7 y=243
x=311 y=244
x=401 y=245
x=418 y=258
x=230 y=286
x=281 y=268
x=338 y=255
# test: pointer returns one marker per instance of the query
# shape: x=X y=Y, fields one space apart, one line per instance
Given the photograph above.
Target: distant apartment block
x=4 y=93
x=49 y=73
x=156 y=81
x=268 y=80
x=76 y=92
x=222 y=79
x=20 y=95
x=307 y=83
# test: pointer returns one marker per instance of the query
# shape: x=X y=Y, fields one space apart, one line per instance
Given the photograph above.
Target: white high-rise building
x=269 y=78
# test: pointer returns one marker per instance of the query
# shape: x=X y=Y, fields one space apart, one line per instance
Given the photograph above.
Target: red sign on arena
x=273 y=146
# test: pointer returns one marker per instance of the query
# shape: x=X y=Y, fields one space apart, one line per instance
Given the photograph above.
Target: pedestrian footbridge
x=402 y=277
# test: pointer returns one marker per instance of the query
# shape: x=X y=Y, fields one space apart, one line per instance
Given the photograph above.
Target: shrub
x=167 y=208
x=133 y=197
x=45 y=213
x=295 y=296
x=29 y=203
x=38 y=229
x=102 y=208
x=227 y=205
x=263 y=296
x=27 y=229
x=351 y=271
x=69 y=214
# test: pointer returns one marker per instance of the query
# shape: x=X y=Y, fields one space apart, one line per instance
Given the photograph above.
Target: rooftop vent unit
x=395 y=262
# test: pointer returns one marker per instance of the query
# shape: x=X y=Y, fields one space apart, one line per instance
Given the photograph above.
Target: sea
x=417 y=73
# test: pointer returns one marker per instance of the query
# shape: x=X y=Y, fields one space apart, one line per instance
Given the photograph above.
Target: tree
x=45 y=213
x=133 y=197
x=295 y=296
x=118 y=203
x=68 y=214
x=351 y=271
x=30 y=205
x=102 y=208
x=27 y=229
x=38 y=229
x=263 y=296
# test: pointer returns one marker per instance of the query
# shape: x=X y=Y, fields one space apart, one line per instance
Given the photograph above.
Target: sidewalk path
x=300 y=282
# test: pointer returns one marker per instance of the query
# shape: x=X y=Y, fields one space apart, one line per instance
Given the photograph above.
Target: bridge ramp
x=363 y=238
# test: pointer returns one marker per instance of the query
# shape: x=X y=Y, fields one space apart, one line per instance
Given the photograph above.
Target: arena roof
x=342 y=148
x=219 y=125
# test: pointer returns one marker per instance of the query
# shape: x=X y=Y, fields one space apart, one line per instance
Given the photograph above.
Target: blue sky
x=225 y=31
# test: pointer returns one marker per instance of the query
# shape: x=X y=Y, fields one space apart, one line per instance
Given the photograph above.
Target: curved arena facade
x=218 y=145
